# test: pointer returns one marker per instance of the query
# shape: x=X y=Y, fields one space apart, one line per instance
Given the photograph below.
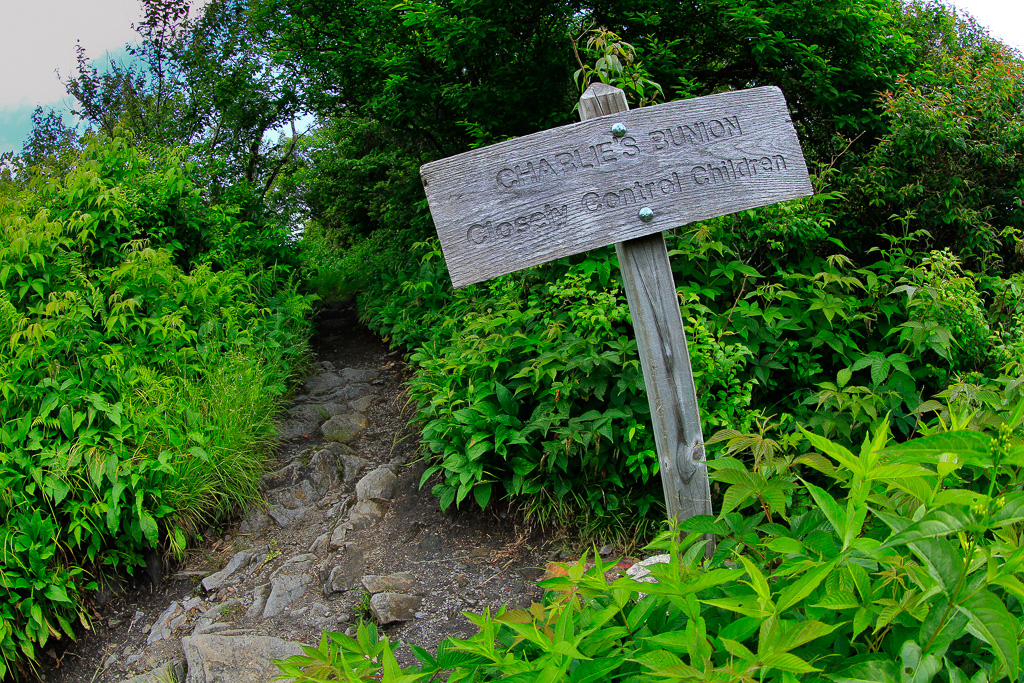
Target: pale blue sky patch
x=15 y=124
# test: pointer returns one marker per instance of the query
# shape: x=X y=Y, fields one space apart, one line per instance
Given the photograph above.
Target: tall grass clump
x=145 y=340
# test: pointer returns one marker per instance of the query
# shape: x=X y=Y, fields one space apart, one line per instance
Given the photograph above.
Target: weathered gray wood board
x=661 y=343
x=563 y=191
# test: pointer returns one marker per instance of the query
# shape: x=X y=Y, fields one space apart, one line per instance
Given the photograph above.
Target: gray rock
x=322 y=470
x=212 y=627
x=352 y=466
x=286 y=476
x=284 y=590
x=349 y=393
x=399 y=582
x=365 y=514
x=169 y=619
x=255 y=520
x=167 y=673
x=295 y=565
x=320 y=544
x=235 y=659
x=324 y=383
x=308 y=412
x=327 y=365
x=391 y=607
x=241 y=560
x=346 y=569
x=355 y=375
x=207 y=621
x=293 y=497
x=339 y=509
x=360 y=405
x=291 y=429
x=320 y=615
x=380 y=483
x=288 y=583
x=259 y=601
x=344 y=428
x=340 y=532
x=640 y=571
x=285 y=517
x=606 y=550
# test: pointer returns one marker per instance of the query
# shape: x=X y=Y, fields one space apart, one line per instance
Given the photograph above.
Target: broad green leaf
x=747 y=606
x=57 y=593
x=757 y=580
x=880 y=670
x=800 y=589
x=594 y=670
x=789 y=635
x=150 y=529
x=482 y=493
x=837 y=452
x=964 y=443
x=837 y=601
x=861 y=620
x=917 y=668
x=829 y=506
x=990 y=617
x=786 y=546
x=738 y=650
x=785 y=661
x=936 y=523
x=945 y=564
x=1009 y=509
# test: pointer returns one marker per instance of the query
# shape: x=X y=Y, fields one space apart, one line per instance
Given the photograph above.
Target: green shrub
x=138 y=375
x=530 y=387
x=902 y=563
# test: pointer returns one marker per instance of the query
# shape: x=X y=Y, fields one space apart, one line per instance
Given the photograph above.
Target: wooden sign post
x=622 y=177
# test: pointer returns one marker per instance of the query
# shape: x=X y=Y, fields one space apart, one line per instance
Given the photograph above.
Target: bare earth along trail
x=343 y=533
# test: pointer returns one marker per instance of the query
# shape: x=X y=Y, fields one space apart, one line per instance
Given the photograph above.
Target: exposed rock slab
x=240 y=560
x=288 y=583
x=365 y=514
x=170 y=619
x=399 y=582
x=286 y=517
x=324 y=383
x=352 y=467
x=357 y=375
x=290 y=429
x=235 y=659
x=172 y=671
x=344 y=428
x=380 y=483
x=345 y=571
x=388 y=608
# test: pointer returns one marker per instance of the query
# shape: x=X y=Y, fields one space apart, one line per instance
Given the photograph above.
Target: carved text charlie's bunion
x=566 y=190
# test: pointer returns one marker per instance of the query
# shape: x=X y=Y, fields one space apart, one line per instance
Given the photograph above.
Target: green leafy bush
x=902 y=563
x=530 y=387
x=138 y=374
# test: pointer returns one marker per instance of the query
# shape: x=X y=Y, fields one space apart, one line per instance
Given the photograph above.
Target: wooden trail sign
x=622 y=177
x=530 y=200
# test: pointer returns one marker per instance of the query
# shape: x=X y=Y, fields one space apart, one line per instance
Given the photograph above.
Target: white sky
x=38 y=38
x=1004 y=18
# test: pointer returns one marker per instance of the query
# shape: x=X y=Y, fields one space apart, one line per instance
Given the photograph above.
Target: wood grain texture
x=563 y=191
x=664 y=357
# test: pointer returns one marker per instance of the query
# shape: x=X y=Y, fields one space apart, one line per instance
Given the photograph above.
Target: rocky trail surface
x=344 y=533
